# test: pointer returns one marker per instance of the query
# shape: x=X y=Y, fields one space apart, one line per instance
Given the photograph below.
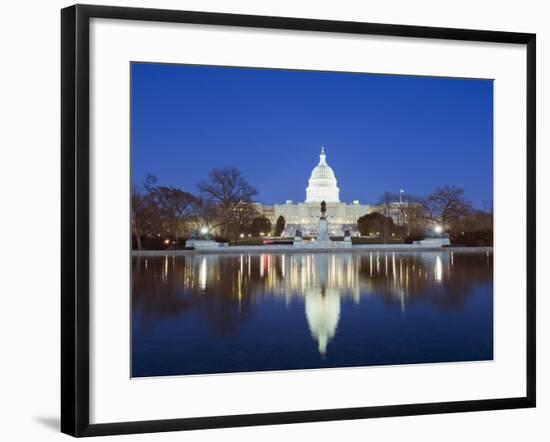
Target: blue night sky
x=381 y=132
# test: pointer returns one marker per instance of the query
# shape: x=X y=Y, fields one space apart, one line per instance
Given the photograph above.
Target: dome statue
x=322 y=183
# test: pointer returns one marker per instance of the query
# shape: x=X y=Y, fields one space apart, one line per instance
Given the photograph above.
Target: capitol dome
x=322 y=183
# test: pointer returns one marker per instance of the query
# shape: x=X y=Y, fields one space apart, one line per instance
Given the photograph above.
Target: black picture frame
x=75 y=226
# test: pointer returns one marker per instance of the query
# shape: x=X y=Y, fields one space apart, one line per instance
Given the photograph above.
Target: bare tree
x=229 y=190
x=145 y=215
x=150 y=183
x=176 y=207
x=207 y=215
x=241 y=218
x=414 y=216
x=445 y=204
x=227 y=186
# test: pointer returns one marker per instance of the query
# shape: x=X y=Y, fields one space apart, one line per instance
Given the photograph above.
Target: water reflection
x=226 y=291
x=322 y=313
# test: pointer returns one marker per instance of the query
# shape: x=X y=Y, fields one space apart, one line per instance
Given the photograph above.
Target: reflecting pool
x=219 y=313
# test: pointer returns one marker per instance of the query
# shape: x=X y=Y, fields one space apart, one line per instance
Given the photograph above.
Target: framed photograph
x=276 y=220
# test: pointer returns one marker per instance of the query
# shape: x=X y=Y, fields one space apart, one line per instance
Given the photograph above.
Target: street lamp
x=204 y=230
x=438 y=229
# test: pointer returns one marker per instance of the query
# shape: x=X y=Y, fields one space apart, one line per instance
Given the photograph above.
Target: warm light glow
x=203 y=274
x=166 y=241
x=204 y=230
x=242 y=235
x=438 y=270
x=438 y=229
x=322 y=280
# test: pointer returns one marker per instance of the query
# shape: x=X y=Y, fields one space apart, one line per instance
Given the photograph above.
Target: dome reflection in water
x=218 y=313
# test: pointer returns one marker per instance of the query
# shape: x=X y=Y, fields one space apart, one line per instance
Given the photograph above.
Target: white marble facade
x=304 y=216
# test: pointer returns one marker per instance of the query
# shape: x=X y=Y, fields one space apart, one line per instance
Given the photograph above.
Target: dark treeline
x=445 y=211
x=222 y=207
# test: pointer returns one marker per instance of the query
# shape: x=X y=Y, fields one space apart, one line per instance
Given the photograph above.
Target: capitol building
x=304 y=216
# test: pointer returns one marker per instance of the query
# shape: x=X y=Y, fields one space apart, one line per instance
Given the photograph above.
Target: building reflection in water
x=223 y=289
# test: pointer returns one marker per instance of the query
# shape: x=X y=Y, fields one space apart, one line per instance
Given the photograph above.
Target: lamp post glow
x=438 y=229
x=204 y=230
